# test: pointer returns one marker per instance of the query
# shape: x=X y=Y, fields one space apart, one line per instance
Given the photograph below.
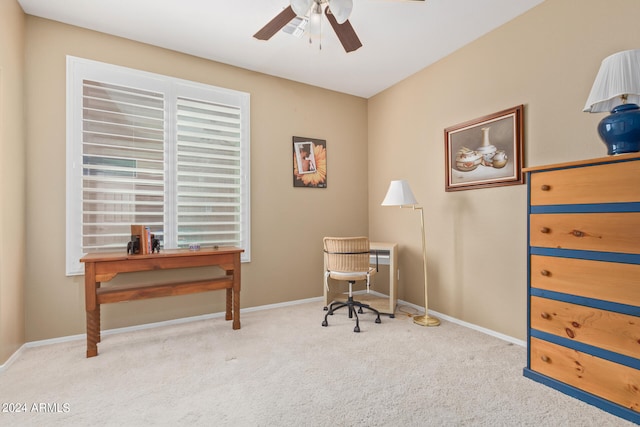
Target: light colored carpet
x=284 y=369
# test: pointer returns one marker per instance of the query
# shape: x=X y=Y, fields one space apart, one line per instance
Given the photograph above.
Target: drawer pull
x=545 y=230
x=545 y=187
x=546 y=273
x=545 y=315
x=577 y=233
x=544 y=358
x=570 y=333
x=575 y=324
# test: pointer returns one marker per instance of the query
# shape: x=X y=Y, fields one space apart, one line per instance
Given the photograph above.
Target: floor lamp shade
x=399 y=194
x=617 y=89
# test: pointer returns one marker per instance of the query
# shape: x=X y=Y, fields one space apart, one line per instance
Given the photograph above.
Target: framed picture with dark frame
x=485 y=152
x=309 y=162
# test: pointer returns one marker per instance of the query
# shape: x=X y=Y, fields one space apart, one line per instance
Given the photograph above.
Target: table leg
x=229 y=312
x=92 y=308
x=236 y=292
x=93 y=332
x=99 y=322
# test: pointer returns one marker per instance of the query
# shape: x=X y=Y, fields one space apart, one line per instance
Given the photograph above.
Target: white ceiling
x=399 y=37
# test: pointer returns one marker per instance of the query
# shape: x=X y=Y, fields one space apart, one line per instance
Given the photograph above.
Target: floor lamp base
x=426 y=320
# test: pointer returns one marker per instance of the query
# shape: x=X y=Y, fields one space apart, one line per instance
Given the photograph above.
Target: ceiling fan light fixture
x=301 y=7
x=341 y=9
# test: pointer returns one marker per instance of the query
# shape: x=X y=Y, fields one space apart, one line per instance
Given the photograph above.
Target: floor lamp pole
x=424 y=320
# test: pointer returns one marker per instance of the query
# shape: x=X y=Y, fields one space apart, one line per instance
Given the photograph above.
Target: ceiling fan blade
x=276 y=24
x=341 y=9
x=345 y=32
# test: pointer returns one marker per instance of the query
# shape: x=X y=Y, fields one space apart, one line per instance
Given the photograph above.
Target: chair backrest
x=346 y=254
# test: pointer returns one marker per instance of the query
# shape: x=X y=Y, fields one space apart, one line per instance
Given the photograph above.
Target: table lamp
x=617 y=89
x=400 y=194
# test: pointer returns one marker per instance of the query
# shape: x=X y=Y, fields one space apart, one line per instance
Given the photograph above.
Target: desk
x=381 y=254
x=102 y=267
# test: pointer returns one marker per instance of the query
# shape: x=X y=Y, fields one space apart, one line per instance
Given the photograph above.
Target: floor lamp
x=400 y=194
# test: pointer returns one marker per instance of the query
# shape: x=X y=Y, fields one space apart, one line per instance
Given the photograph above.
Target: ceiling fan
x=336 y=11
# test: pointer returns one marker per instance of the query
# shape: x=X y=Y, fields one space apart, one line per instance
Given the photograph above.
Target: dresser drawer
x=607 y=183
x=611 y=331
x=609 y=380
x=608 y=232
x=608 y=281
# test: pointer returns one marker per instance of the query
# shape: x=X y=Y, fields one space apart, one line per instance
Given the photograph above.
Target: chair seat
x=351 y=275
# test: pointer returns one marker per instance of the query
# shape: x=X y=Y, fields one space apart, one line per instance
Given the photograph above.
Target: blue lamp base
x=621 y=130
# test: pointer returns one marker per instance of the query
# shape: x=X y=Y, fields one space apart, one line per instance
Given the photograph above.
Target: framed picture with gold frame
x=485 y=152
x=309 y=162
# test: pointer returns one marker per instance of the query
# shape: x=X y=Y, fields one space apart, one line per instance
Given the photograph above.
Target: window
x=148 y=149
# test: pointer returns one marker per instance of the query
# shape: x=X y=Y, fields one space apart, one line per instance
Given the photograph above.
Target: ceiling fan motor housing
x=341 y=9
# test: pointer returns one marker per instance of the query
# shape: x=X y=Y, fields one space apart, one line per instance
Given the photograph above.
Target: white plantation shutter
x=122 y=163
x=153 y=150
x=208 y=174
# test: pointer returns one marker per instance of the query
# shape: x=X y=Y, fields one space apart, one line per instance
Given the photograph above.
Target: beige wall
x=287 y=223
x=545 y=59
x=12 y=178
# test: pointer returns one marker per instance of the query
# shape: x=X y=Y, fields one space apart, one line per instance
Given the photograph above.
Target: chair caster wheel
x=325 y=323
x=360 y=311
x=356 y=329
x=326 y=309
x=378 y=320
x=392 y=316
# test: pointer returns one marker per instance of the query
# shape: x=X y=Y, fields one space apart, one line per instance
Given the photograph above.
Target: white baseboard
x=15 y=356
x=78 y=337
x=468 y=325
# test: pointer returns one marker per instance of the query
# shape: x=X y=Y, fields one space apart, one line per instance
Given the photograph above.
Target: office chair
x=347 y=259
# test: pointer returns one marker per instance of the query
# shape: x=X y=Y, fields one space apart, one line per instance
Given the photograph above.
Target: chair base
x=351 y=305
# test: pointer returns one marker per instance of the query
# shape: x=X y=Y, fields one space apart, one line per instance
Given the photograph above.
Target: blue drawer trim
x=631 y=310
x=587 y=208
x=589 y=255
x=598 y=402
x=588 y=349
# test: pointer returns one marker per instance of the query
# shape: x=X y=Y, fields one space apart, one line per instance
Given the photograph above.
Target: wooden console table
x=102 y=267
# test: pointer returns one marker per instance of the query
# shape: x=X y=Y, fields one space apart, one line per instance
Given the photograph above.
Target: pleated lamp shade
x=619 y=75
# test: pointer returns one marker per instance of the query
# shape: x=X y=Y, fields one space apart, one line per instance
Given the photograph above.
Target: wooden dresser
x=584 y=281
